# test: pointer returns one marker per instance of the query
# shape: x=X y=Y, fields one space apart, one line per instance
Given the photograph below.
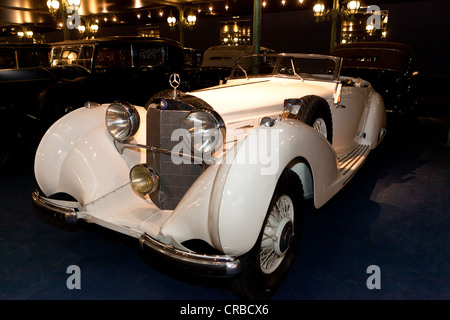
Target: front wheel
x=316 y=113
x=267 y=263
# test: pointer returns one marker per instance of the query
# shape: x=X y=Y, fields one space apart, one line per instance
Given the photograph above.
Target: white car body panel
x=77 y=156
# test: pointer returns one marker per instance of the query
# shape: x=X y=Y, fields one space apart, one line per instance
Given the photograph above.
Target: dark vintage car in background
x=22 y=77
x=218 y=61
x=118 y=68
x=192 y=64
x=388 y=66
x=24 y=55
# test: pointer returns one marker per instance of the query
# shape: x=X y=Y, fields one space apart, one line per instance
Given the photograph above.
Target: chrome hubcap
x=283 y=235
x=277 y=235
x=320 y=126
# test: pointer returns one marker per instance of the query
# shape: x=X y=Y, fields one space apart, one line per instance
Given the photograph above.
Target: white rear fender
x=375 y=127
x=77 y=156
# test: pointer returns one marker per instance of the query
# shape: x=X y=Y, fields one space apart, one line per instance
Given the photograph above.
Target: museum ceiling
x=36 y=11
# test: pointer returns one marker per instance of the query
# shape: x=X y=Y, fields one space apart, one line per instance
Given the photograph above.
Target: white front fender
x=249 y=187
x=77 y=156
x=227 y=204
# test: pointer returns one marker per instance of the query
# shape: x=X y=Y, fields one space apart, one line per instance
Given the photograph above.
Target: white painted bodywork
x=227 y=204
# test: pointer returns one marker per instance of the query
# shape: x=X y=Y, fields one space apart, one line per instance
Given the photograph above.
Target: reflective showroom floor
x=394 y=214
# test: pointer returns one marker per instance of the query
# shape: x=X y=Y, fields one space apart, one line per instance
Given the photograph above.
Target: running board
x=353 y=160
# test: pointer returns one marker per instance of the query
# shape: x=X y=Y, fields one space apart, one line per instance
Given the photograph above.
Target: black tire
x=314 y=108
x=257 y=282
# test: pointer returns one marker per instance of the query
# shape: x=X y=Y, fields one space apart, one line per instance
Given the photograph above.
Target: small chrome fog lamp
x=144 y=179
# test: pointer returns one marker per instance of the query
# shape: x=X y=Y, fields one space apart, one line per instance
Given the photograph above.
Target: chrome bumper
x=206 y=265
x=201 y=264
x=59 y=210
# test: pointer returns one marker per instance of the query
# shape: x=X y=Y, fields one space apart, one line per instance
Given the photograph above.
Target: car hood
x=25 y=74
x=237 y=98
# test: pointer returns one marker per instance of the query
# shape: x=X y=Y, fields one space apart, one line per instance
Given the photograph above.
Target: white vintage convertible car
x=216 y=180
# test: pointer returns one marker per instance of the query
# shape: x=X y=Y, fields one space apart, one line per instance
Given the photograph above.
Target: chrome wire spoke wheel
x=320 y=126
x=267 y=263
x=277 y=235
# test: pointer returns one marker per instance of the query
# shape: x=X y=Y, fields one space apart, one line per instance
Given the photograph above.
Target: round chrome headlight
x=206 y=130
x=144 y=179
x=122 y=120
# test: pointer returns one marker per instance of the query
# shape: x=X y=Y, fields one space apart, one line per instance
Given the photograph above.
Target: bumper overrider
x=201 y=264
x=208 y=265
x=65 y=212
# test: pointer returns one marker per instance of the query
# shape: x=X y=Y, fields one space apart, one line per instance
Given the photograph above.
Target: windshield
x=111 y=55
x=72 y=55
x=255 y=66
x=302 y=66
x=64 y=55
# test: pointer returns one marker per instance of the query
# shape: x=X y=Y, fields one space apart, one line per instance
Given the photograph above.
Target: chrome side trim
x=201 y=264
x=59 y=210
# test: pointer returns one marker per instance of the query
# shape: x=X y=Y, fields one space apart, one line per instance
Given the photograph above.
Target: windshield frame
x=276 y=68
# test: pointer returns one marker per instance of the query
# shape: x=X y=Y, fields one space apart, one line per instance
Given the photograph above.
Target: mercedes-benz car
x=216 y=180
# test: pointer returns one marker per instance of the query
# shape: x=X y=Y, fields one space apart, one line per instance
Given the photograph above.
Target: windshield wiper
x=293 y=70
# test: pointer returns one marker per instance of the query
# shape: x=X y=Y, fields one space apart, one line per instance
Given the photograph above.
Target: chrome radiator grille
x=175 y=179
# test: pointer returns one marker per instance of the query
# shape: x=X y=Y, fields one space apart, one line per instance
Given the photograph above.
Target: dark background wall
x=425 y=25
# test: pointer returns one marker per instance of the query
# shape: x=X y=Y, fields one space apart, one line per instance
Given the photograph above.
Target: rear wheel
x=267 y=263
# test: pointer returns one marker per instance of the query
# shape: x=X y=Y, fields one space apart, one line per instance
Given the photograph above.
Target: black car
x=192 y=63
x=218 y=61
x=112 y=68
x=22 y=77
x=388 y=66
x=21 y=55
x=98 y=70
